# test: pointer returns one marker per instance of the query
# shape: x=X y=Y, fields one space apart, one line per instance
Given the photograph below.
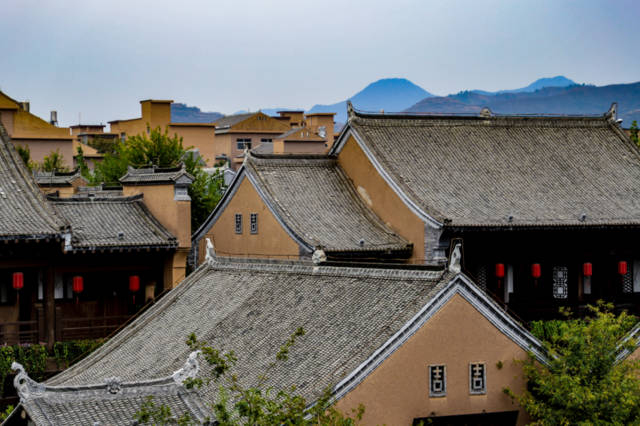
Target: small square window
x=254 y=223
x=266 y=140
x=437 y=380
x=238 y=223
x=242 y=143
x=477 y=379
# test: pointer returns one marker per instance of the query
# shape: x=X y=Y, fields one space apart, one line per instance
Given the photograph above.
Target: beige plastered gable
x=459 y=326
x=274 y=239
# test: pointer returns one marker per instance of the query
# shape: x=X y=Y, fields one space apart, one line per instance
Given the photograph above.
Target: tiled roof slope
x=482 y=170
x=252 y=308
x=154 y=175
x=231 y=120
x=111 y=402
x=316 y=200
x=24 y=212
x=57 y=178
x=110 y=222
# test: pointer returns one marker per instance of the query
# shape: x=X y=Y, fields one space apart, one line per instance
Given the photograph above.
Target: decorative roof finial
x=210 y=252
x=456 y=257
x=189 y=370
x=612 y=114
x=318 y=257
x=485 y=113
x=24 y=384
x=350 y=112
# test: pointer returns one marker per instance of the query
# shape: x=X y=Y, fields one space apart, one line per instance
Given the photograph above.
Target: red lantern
x=622 y=267
x=18 y=280
x=134 y=283
x=78 y=284
x=500 y=270
x=536 y=271
x=587 y=269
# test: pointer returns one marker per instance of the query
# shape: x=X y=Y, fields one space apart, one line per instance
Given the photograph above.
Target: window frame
x=253 y=223
x=443 y=392
x=238 y=223
x=483 y=390
x=246 y=143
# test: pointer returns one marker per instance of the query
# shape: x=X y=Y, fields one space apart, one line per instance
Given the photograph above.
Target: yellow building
x=41 y=137
x=157 y=113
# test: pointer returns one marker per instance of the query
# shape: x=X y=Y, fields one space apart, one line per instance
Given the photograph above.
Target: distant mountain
x=181 y=113
x=389 y=94
x=577 y=99
x=558 y=81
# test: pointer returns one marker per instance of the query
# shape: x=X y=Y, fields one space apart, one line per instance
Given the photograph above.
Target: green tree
x=25 y=154
x=54 y=162
x=257 y=405
x=583 y=383
x=633 y=130
x=82 y=164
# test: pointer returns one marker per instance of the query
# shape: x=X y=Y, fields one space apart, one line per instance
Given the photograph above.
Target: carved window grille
x=238 y=223
x=437 y=380
x=477 y=379
x=560 y=282
x=482 y=277
x=627 y=279
x=254 y=223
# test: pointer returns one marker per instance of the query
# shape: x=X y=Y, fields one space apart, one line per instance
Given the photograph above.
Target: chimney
x=25 y=106
x=54 y=118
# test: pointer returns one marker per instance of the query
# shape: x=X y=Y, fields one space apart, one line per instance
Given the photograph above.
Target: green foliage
x=162 y=150
x=258 y=405
x=32 y=357
x=25 y=154
x=66 y=353
x=583 y=384
x=104 y=145
x=82 y=164
x=53 y=162
x=6 y=413
x=160 y=415
x=634 y=132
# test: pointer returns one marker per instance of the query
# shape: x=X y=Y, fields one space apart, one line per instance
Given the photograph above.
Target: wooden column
x=49 y=306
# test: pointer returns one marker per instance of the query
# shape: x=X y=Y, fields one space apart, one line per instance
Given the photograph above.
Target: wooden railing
x=88 y=328
x=12 y=333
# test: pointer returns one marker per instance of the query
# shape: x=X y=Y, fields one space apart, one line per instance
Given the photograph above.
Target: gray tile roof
x=316 y=200
x=24 y=212
x=252 y=308
x=112 y=222
x=225 y=123
x=57 y=178
x=155 y=175
x=111 y=402
x=482 y=170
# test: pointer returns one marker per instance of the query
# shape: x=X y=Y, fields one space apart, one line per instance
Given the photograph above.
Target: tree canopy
x=583 y=383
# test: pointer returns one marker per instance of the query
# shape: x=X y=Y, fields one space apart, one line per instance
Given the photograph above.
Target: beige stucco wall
x=200 y=137
x=398 y=390
x=282 y=147
x=174 y=215
x=271 y=241
x=383 y=200
x=40 y=148
x=6 y=118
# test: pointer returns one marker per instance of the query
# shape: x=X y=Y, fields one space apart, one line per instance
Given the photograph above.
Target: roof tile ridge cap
x=308 y=268
x=21 y=169
x=124 y=334
x=626 y=139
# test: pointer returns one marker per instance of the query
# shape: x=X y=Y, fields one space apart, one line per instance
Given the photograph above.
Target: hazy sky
x=99 y=58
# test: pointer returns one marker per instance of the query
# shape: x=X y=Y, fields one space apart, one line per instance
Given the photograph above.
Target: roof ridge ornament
x=189 y=370
x=455 y=259
x=318 y=257
x=612 y=114
x=24 y=384
x=210 y=253
x=485 y=112
x=350 y=111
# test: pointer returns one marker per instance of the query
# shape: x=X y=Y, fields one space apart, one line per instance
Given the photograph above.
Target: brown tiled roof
x=154 y=175
x=24 y=212
x=508 y=170
x=231 y=120
x=313 y=196
x=112 y=222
